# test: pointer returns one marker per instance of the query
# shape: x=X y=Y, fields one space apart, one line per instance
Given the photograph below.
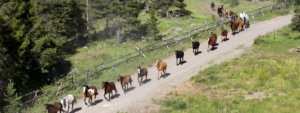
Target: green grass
x=104 y=51
x=270 y=69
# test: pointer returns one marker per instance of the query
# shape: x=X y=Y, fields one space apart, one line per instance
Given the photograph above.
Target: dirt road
x=140 y=99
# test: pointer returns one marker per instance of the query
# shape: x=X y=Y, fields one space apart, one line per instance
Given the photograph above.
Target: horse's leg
x=158 y=75
x=72 y=106
x=84 y=100
x=104 y=95
x=109 y=96
x=68 y=109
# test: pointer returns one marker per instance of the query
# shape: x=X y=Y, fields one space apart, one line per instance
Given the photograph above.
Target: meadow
x=264 y=80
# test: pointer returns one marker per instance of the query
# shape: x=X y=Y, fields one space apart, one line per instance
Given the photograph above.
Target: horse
x=236 y=25
x=161 y=68
x=142 y=72
x=245 y=18
x=179 y=56
x=109 y=87
x=195 y=46
x=212 y=41
x=220 y=11
x=89 y=92
x=212 y=6
x=68 y=102
x=224 y=34
x=54 y=108
x=125 y=81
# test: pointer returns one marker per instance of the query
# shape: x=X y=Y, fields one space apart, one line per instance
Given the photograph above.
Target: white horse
x=68 y=102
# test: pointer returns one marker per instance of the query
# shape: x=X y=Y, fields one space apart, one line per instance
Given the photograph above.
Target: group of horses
x=66 y=104
x=89 y=93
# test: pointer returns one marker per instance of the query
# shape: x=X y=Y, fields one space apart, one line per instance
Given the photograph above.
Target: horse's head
x=120 y=78
x=104 y=84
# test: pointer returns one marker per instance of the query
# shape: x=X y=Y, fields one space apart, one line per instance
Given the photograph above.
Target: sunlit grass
x=270 y=69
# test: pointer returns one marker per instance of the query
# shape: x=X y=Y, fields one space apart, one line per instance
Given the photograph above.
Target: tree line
x=35 y=36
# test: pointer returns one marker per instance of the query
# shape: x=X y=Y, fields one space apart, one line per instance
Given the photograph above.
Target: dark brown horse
x=54 y=108
x=224 y=35
x=89 y=92
x=142 y=72
x=109 y=87
x=179 y=57
x=212 y=41
x=195 y=46
x=125 y=82
x=220 y=11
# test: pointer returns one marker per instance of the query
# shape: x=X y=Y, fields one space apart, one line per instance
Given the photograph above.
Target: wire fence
x=29 y=98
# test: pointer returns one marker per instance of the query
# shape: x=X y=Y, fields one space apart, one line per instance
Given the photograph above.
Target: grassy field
x=265 y=80
x=99 y=52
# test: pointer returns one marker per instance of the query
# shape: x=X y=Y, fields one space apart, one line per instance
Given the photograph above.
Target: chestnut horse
x=125 y=81
x=54 y=108
x=212 y=41
x=89 y=92
x=109 y=87
x=142 y=72
x=237 y=25
x=161 y=68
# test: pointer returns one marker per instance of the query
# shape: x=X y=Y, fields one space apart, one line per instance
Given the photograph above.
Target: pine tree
x=153 y=26
x=39 y=32
x=12 y=99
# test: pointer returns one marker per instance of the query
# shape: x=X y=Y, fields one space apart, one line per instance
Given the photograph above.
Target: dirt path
x=140 y=99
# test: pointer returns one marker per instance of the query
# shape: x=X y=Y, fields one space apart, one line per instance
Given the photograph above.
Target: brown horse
x=109 y=87
x=89 y=92
x=224 y=35
x=161 y=68
x=125 y=81
x=54 y=108
x=212 y=41
x=237 y=25
x=142 y=72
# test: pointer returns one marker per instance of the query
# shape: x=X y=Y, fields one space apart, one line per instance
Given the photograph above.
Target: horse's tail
x=130 y=80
